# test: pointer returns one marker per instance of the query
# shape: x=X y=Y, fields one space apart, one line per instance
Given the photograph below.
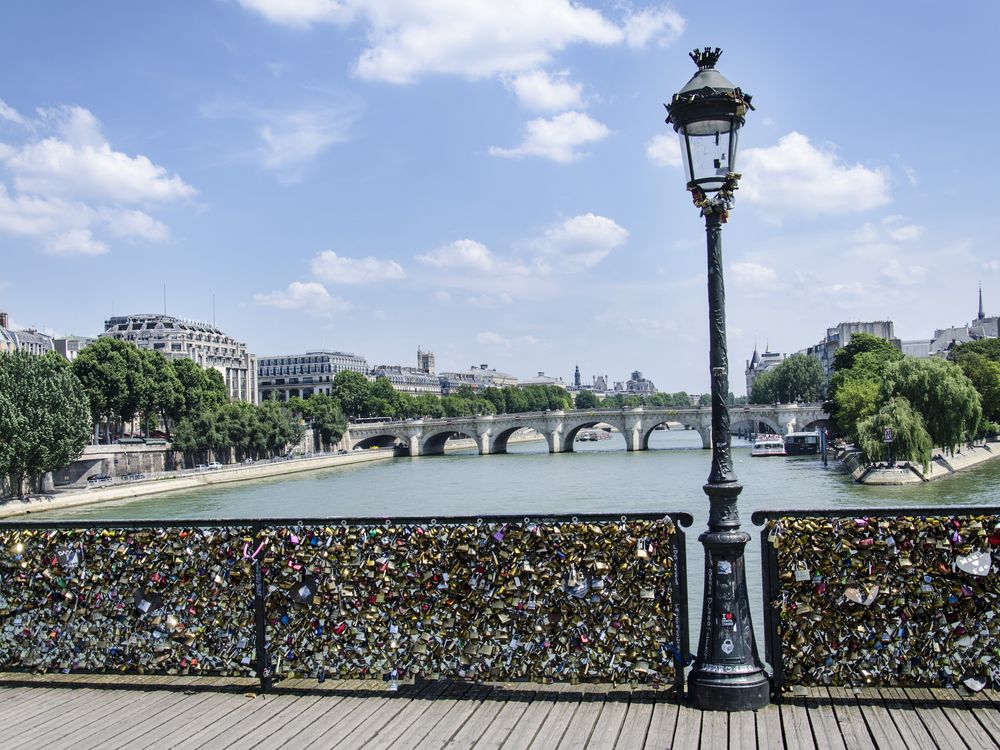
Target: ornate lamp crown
x=706 y=58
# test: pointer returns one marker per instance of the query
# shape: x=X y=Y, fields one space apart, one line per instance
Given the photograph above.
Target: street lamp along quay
x=727 y=674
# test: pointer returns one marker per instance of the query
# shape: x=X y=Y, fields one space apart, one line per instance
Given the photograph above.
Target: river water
x=599 y=477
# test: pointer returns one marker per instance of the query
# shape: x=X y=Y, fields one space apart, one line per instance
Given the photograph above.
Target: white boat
x=768 y=445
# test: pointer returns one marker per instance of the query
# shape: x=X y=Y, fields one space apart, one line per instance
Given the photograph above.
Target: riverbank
x=188 y=481
x=941 y=465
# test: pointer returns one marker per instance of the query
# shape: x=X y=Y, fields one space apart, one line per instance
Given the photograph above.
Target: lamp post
x=727 y=674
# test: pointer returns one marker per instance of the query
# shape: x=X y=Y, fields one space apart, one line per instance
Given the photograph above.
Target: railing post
x=260 y=621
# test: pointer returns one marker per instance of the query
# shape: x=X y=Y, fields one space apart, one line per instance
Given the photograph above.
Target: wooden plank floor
x=83 y=711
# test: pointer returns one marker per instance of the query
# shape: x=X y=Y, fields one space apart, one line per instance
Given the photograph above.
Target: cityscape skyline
x=311 y=175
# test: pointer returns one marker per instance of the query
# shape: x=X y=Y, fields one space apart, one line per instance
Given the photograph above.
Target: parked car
x=215 y=465
x=99 y=478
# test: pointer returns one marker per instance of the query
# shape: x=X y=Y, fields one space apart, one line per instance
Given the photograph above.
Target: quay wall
x=189 y=481
x=942 y=465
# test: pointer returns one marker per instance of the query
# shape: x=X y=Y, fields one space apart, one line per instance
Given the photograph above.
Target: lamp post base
x=728 y=692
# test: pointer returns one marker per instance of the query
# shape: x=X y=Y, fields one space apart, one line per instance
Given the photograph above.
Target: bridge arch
x=818 y=424
x=379 y=440
x=570 y=433
x=501 y=434
x=432 y=443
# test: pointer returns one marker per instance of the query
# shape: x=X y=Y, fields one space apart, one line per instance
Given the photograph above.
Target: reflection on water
x=599 y=477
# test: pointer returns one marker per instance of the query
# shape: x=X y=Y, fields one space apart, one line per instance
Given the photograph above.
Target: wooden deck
x=57 y=711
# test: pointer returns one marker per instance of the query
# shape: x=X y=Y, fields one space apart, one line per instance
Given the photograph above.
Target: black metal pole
x=727 y=674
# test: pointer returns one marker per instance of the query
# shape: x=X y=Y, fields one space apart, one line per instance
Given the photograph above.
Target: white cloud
x=490 y=301
x=83 y=165
x=539 y=91
x=556 y=138
x=529 y=340
x=991 y=265
x=752 y=275
x=10 y=114
x=300 y=13
x=410 y=39
x=460 y=254
x=75 y=242
x=310 y=297
x=643 y=325
x=69 y=184
x=664 y=150
x=289 y=140
x=795 y=177
x=663 y=23
x=899 y=273
x=335 y=269
x=578 y=243
x=292 y=140
x=489 y=338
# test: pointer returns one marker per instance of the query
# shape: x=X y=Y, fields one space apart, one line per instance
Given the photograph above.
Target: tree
x=984 y=374
x=798 y=378
x=44 y=415
x=328 y=421
x=587 y=400
x=110 y=371
x=856 y=399
x=989 y=348
x=764 y=390
x=163 y=394
x=279 y=427
x=843 y=358
x=352 y=391
x=941 y=393
x=911 y=441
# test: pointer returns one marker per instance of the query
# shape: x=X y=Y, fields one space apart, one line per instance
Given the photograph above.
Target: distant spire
x=981 y=314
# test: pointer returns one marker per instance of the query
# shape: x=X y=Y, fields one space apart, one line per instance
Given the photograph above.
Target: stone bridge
x=424 y=437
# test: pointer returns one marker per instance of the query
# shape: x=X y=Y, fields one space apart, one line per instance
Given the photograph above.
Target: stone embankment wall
x=189 y=481
x=943 y=464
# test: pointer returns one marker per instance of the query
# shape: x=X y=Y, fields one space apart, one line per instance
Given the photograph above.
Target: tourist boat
x=768 y=445
x=802 y=443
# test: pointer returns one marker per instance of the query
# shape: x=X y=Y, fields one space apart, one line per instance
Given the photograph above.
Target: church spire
x=981 y=314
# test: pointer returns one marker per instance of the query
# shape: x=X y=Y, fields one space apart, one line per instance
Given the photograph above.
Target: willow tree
x=941 y=393
x=910 y=439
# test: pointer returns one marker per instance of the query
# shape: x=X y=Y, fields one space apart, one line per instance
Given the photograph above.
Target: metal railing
x=593 y=597
x=897 y=596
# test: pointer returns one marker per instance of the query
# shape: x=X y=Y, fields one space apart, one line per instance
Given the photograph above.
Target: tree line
x=926 y=403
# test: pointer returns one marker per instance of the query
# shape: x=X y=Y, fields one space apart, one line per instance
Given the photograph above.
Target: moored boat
x=802 y=443
x=768 y=445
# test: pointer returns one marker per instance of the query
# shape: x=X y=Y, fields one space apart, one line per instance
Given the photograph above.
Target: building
x=543 y=379
x=409 y=380
x=478 y=378
x=982 y=327
x=841 y=335
x=70 y=346
x=202 y=343
x=759 y=363
x=286 y=375
x=916 y=347
x=425 y=361
x=637 y=385
x=28 y=340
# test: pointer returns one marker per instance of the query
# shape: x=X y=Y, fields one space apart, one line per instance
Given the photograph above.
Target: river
x=599 y=477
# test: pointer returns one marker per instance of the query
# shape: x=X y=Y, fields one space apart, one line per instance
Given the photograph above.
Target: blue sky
x=493 y=181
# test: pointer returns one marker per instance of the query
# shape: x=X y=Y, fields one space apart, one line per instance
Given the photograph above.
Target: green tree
x=163 y=394
x=110 y=371
x=352 y=391
x=587 y=400
x=280 y=428
x=764 y=390
x=989 y=348
x=497 y=398
x=328 y=421
x=941 y=393
x=843 y=358
x=202 y=389
x=911 y=441
x=856 y=399
x=798 y=378
x=44 y=415
x=984 y=374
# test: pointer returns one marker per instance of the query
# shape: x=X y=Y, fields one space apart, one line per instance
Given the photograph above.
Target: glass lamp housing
x=707 y=115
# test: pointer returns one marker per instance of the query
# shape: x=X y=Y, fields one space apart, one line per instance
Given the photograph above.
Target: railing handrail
x=681 y=518
x=759 y=517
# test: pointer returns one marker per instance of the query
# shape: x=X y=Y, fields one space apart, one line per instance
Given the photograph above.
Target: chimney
x=3 y=320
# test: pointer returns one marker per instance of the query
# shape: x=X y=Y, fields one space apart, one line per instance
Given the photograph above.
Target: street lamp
x=727 y=674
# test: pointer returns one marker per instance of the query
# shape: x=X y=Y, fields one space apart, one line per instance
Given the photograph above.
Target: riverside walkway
x=80 y=711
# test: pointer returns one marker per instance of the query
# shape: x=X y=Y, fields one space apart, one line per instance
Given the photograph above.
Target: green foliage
x=798 y=378
x=941 y=393
x=44 y=415
x=989 y=348
x=352 y=391
x=984 y=374
x=911 y=440
x=856 y=399
x=328 y=420
x=587 y=400
x=843 y=358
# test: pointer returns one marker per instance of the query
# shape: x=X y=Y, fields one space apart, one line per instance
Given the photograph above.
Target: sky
x=493 y=181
